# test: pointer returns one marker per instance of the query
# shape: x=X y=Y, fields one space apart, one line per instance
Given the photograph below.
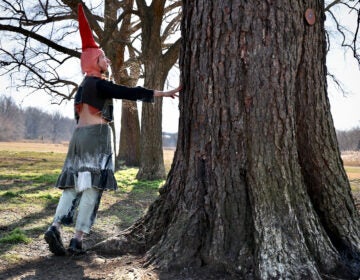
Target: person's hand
x=171 y=93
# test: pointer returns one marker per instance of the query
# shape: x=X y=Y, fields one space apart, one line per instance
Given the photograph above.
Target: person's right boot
x=75 y=247
x=53 y=238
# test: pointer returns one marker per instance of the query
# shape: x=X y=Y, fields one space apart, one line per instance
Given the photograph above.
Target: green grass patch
x=127 y=182
x=11 y=258
x=352 y=169
x=28 y=197
x=44 y=197
x=9 y=194
x=15 y=236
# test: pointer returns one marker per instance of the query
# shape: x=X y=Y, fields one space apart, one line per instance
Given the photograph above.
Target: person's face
x=104 y=62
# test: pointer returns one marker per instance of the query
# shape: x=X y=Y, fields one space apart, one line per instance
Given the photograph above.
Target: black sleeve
x=108 y=89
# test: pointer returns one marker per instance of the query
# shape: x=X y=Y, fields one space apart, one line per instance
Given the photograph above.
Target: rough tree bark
x=257 y=187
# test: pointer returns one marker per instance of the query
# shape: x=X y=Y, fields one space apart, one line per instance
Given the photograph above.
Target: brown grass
x=168 y=158
x=351 y=158
x=33 y=147
x=28 y=146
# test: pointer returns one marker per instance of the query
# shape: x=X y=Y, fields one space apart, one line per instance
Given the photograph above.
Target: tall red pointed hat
x=87 y=38
x=90 y=49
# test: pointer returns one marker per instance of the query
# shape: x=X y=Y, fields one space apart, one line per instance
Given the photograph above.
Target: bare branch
x=332 y=4
x=171 y=27
x=93 y=20
x=40 y=38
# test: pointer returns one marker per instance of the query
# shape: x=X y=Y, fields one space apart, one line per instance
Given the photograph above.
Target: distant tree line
x=169 y=139
x=32 y=123
x=349 y=140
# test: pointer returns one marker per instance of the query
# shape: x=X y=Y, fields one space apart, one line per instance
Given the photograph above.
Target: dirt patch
x=38 y=263
x=35 y=262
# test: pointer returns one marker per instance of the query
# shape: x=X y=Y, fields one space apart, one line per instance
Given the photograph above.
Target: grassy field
x=28 y=200
x=352 y=167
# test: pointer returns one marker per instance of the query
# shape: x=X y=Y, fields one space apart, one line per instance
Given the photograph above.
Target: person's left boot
x=75 y=247
x=53 y=238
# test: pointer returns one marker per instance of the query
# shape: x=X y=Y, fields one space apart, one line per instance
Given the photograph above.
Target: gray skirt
x=89 y=161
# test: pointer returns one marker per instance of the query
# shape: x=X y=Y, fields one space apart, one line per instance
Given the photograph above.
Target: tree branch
x=40 y=39
x=172 y=54
x=332 y=4
x=93 y=20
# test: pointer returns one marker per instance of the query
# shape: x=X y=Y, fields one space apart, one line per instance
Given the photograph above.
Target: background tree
x=11 y=120
x=157 y=64
x=32 y=123
x=58 y=127
x=349 y=140
x=36 y=124
x=257 y=187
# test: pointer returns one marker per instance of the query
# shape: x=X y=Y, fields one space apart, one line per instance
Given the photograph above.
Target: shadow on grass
x=45 y=268
x=130 y=206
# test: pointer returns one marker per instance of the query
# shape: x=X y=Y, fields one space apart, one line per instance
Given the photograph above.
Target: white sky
x=344 y=107
x=342 y=64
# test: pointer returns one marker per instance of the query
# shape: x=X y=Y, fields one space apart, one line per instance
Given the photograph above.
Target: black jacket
x=99 y=93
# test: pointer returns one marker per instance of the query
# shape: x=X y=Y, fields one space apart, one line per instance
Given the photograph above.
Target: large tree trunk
x=257 y=187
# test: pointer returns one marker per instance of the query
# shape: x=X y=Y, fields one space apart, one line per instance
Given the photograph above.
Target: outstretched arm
x=171 y=93
x=111 y=90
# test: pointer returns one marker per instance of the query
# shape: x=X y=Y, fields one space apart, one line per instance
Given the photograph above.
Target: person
x=88 y=168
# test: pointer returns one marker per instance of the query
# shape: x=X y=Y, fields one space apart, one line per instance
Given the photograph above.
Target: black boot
x=75 y=247
x=53 y=238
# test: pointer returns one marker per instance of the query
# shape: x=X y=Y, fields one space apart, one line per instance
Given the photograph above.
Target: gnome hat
x=90 y=49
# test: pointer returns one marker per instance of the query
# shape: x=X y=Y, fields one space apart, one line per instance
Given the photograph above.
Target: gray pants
x=86 y=202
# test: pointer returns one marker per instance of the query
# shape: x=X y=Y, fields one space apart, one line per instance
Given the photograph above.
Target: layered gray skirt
x=89 y=161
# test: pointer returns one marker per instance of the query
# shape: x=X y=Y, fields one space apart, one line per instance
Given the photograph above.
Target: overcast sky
x=344 y=107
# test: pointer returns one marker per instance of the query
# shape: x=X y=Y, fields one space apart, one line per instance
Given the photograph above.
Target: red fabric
x=87 y=38
x=79 y=107
x=90 y=49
